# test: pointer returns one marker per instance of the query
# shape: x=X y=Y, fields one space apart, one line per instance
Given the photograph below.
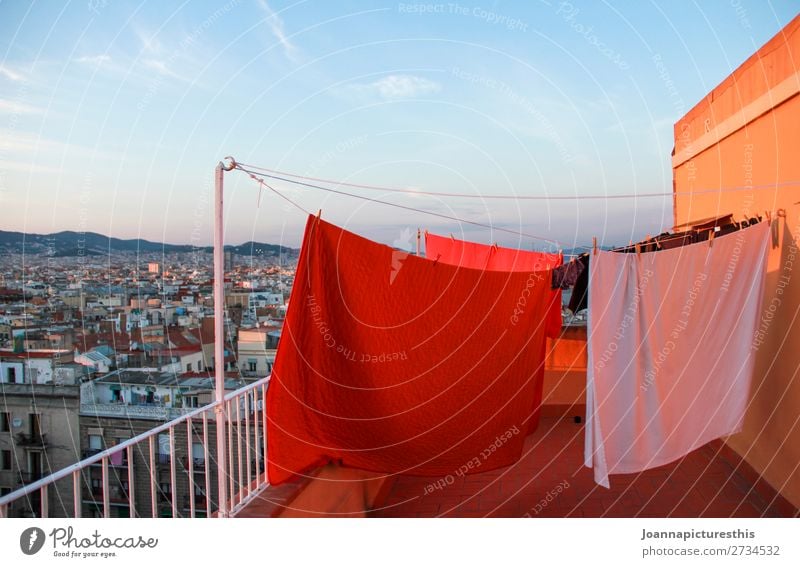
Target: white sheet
x=670 y=349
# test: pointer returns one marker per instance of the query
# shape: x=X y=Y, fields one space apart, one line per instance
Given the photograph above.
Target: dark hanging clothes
x=565 y=275
x=580 y=291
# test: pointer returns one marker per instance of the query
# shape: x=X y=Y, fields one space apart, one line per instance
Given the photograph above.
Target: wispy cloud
x=162 y=68
x=10 y=74
x=13 y=107
x=94 y=59
x=397 y=87
x=275 y=24
x=24 y=144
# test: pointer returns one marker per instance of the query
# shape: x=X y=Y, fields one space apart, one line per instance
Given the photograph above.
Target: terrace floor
x=551 y=481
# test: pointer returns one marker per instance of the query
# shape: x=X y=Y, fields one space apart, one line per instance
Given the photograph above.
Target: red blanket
x=496 y=258
x=397 y=364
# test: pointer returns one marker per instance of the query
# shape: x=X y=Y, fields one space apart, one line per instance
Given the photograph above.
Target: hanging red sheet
x=397 y=364
x=496 y=258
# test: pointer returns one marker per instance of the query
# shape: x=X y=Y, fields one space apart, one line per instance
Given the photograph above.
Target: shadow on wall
x=772 y=421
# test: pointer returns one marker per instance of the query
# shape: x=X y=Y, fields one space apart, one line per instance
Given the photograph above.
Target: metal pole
x=219 y=342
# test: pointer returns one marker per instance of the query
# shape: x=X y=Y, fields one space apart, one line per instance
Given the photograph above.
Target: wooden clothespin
x=594 y=245
x=638 y=248
x=711 y=238
x=419 y=233
x=319 y=214
x=658 y=244
x=453 y=238
x=769 y=217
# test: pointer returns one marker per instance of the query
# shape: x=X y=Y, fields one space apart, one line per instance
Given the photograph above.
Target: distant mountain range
x=69 y=243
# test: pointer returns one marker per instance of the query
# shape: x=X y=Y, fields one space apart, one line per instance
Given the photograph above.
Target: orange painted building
x=738 y=151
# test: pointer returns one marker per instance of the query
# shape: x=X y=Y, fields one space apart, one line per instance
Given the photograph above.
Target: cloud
x=94 y=59
x=398 y=86
x=24 y=144
x=12 y=107
x=161 y=67
x=275 y=24
x=9 y=74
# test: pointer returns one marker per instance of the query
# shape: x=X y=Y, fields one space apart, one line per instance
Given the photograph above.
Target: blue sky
x=113 y=114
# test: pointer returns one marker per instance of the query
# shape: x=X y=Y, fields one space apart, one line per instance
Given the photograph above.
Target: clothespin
x=453 y=238
x=769 y=217
x=419 y=232
x=658 y=244
x=319 y=214
x=711 y=238
x=638 y=248
x=594 y=245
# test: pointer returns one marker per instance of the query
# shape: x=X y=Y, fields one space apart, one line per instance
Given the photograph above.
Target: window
x=11 y=375
x=35 y=425
x=251 y=364
x=5 y=421
x=189 y=367
x=5 y=460
x=163 y=444
x=199 y=366
x=198 y=454
x=95 y=443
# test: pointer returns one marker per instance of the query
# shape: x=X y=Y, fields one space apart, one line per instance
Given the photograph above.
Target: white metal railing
x=245 y=423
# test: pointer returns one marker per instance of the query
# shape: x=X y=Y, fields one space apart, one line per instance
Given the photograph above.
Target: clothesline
x=259 y=178
x=281 y=175
x=261 y=181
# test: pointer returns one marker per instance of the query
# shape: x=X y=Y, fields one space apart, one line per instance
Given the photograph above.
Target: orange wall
x=746 y=133
x=565 y=368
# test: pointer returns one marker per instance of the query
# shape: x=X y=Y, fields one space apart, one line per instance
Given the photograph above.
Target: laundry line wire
x=257 y=177
x=276 y=174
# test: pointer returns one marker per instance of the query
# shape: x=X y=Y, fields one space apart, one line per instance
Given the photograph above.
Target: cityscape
x=97 y=349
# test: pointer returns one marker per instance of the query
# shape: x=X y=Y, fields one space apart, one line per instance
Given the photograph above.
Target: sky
x=113 y=115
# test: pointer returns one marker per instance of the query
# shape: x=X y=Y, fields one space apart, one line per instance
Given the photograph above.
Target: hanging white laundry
x=670 y=349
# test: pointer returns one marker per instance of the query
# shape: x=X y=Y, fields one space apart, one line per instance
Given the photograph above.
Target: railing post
x=219 y=338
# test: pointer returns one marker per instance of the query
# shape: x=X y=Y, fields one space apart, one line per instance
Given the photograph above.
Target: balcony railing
x=31 y=439
x=240 y=442
x=162 y=413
